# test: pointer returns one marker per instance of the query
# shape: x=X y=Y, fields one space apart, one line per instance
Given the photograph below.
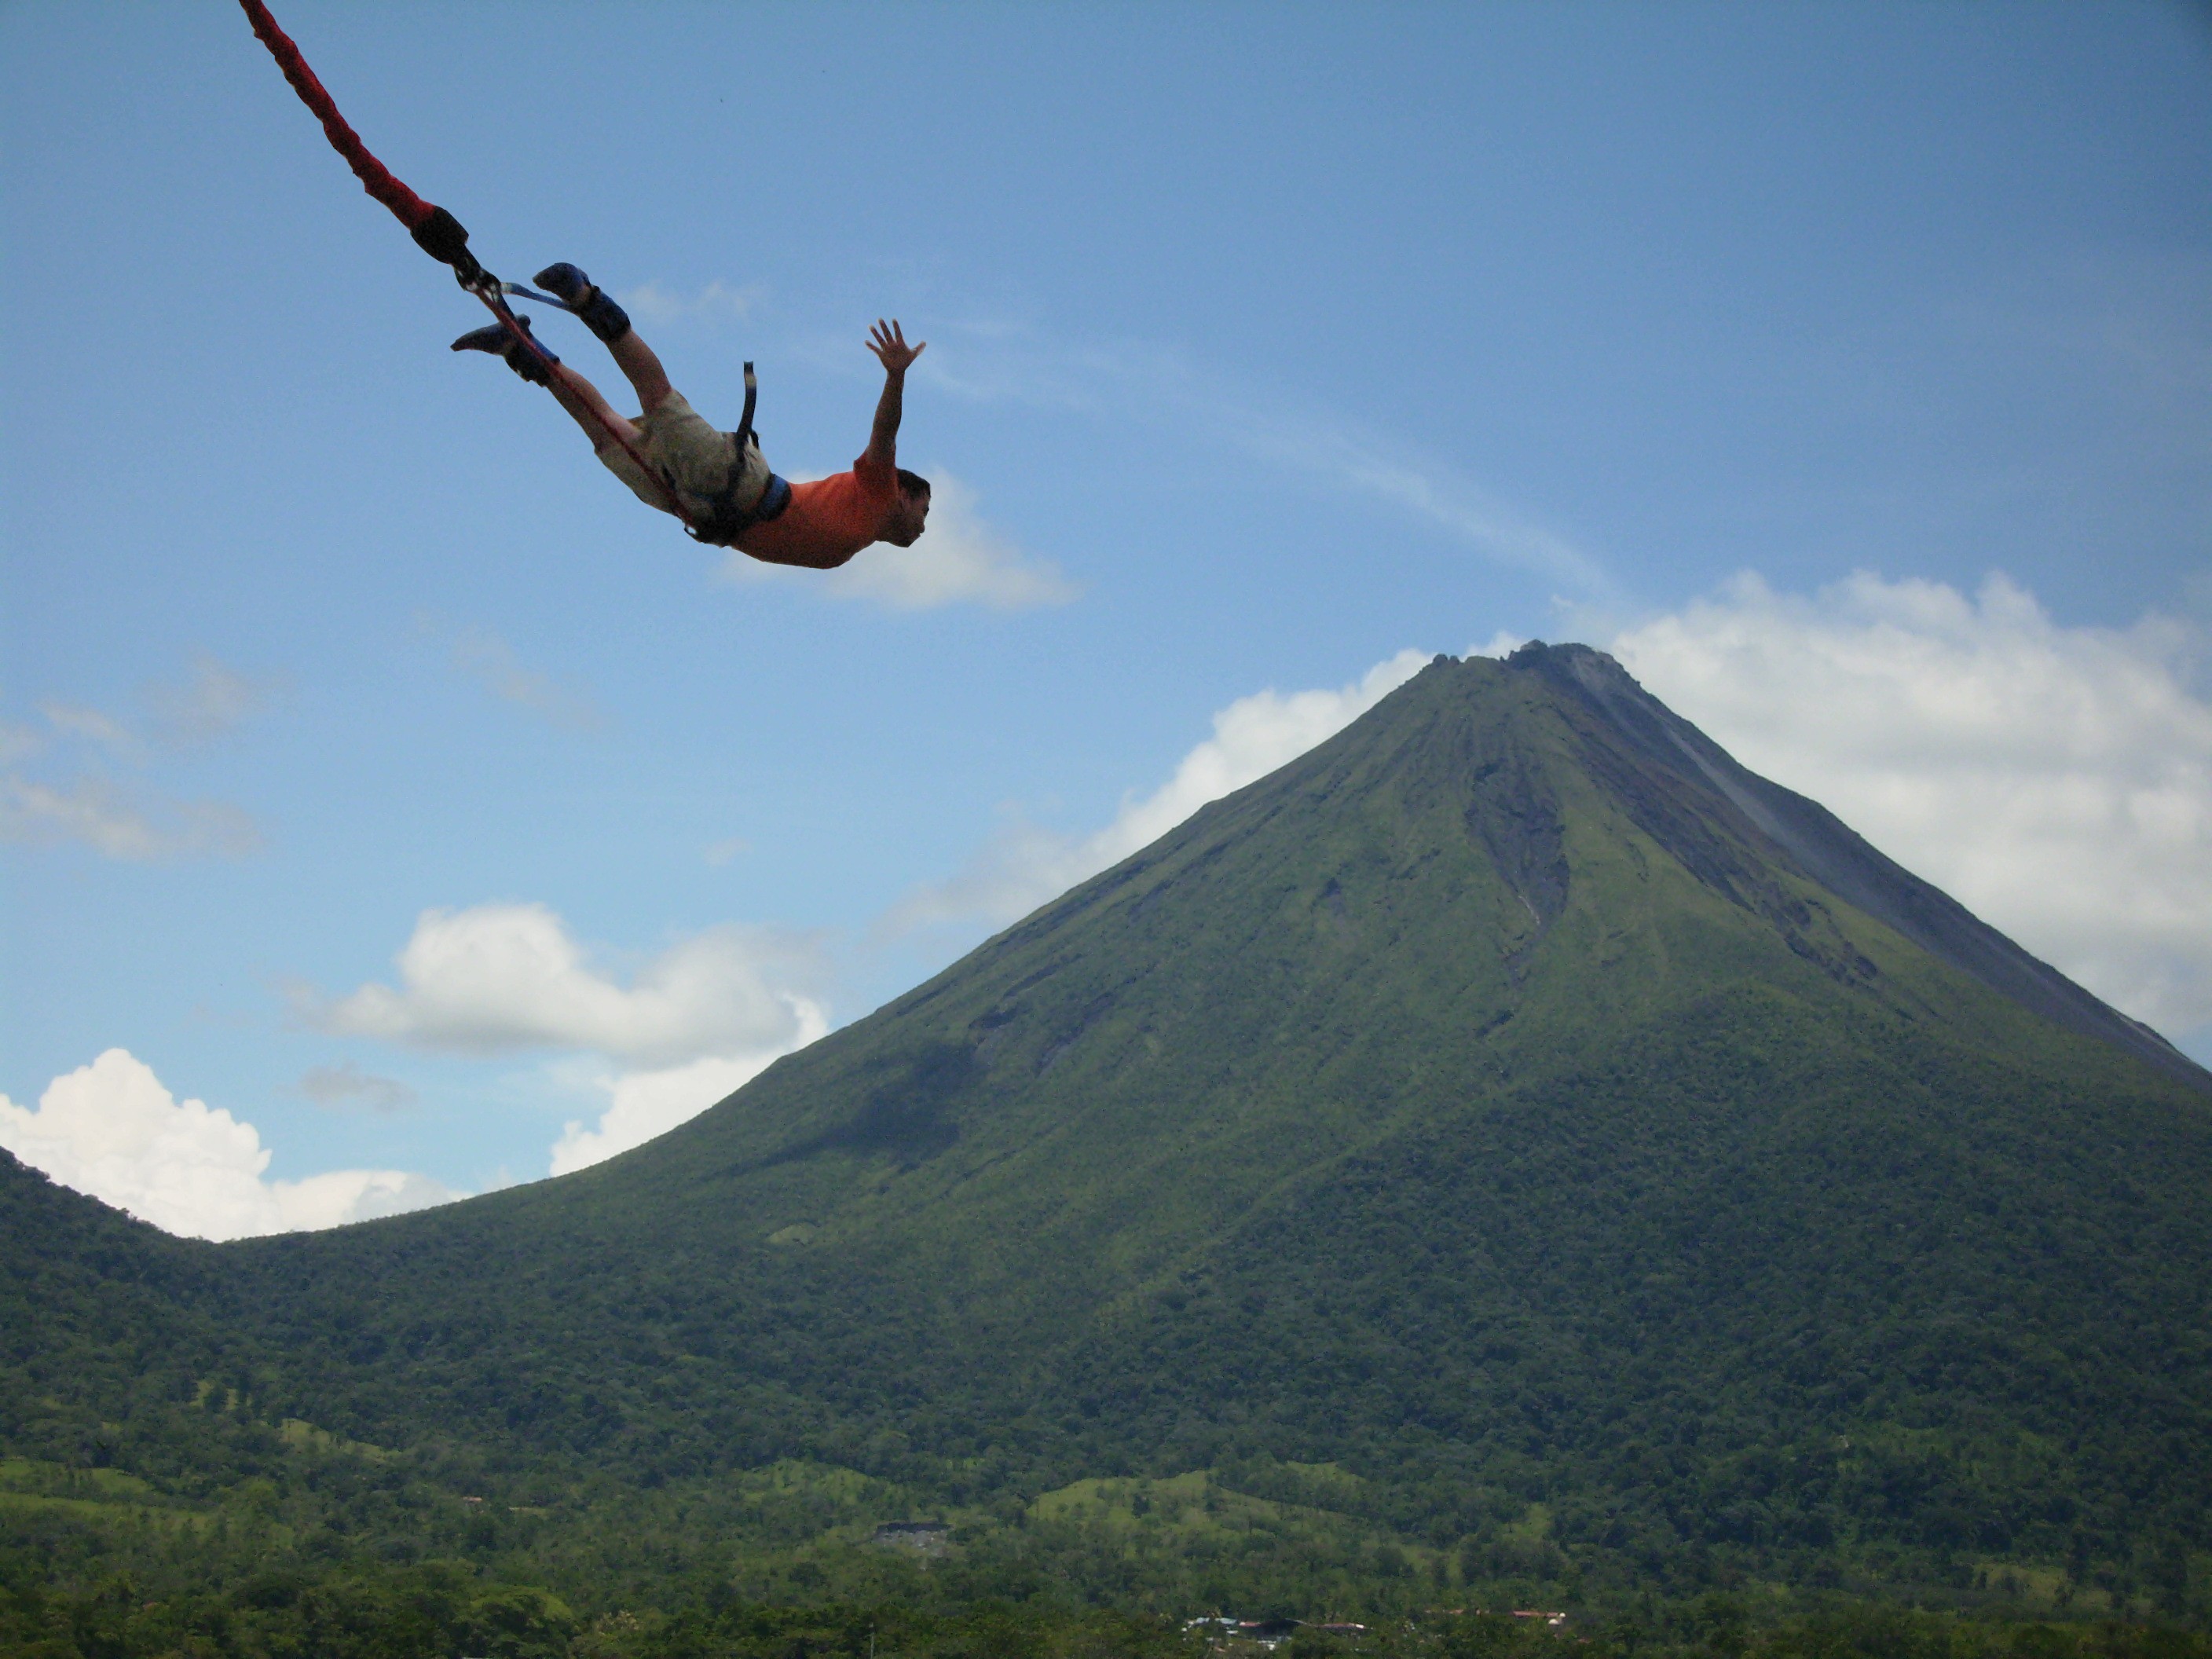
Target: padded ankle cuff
x=604 y=317
x=523 y=363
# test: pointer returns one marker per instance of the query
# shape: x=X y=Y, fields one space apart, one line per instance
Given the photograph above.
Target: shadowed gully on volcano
x=1511 y=1103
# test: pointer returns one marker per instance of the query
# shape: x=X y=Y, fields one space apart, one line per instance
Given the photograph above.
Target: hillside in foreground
x=1511 y=1146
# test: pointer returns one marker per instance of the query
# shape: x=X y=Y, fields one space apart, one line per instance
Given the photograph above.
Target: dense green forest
x=1505 y=1159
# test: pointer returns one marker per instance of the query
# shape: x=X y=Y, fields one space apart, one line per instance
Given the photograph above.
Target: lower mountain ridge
x=1512 y=1144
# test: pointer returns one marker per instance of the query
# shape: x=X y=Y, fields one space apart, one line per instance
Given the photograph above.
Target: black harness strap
x=745 y=432
x=725 y=521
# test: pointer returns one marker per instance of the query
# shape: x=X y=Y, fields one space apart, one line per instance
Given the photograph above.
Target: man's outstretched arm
x=890 y=348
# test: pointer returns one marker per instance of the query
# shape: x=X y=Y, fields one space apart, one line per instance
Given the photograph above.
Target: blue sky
x=1848 y=369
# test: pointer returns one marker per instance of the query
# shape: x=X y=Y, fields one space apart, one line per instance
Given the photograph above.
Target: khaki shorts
x=679 y=445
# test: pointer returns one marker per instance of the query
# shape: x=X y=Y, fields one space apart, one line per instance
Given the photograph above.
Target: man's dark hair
x=912 y=483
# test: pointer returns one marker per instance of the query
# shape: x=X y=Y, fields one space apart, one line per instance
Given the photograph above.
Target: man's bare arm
x=890 y=348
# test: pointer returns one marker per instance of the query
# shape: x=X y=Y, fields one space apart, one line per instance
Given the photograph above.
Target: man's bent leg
x=611 y=323
x=647 y=377
x=591 y=410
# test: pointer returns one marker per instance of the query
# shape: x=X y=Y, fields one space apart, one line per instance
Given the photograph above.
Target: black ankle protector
x=604 y=317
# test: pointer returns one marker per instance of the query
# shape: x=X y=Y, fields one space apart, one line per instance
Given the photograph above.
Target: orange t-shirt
x=828 y=521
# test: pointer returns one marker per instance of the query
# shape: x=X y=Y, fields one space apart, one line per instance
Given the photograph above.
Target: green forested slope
x=1481 y=1145
x=107 y=1352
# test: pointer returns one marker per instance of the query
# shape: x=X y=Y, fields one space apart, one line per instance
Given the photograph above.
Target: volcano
x=1513 y=1122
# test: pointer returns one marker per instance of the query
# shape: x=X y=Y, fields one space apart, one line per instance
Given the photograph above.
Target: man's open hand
x=890 y=348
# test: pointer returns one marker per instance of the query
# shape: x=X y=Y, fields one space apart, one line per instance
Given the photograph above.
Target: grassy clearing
x=30 y=1487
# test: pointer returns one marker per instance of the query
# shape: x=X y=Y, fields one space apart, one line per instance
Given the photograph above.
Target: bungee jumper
x=717 y=483
x=721 y=485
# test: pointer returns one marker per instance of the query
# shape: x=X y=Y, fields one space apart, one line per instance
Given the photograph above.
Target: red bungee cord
x=435 y=231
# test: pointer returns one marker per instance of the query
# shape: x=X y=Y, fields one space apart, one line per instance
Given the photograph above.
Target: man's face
x=907 y=519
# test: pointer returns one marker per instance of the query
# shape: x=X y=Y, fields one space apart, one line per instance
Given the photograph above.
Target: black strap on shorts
x=725 y=520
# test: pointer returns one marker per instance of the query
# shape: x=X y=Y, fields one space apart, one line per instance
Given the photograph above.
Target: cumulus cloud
x=501 y=977
x=2056 y=780
x=111 y=1131
x=960 y=560
x=1025 y=865
x=347 y=1084
x=135 y=826
x=690 y=1026
x=643 y=1104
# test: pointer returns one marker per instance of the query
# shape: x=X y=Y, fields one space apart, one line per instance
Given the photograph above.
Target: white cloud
x=960 y=559
x=506 y=976
x=2056 y=780
x=1024 y=865
x=111 y=1131
x=643 y=1104
x=691 y=1025
x=117 y=826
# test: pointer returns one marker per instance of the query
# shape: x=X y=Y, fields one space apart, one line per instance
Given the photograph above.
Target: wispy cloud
x=655 y=303
x=213 y=701
x=18 y=742
x=493 y=663
x=346 y=1085
x=77 y=802
x=133 y=826
x=1137 y=382
x=90 y=725
x=486 y=658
